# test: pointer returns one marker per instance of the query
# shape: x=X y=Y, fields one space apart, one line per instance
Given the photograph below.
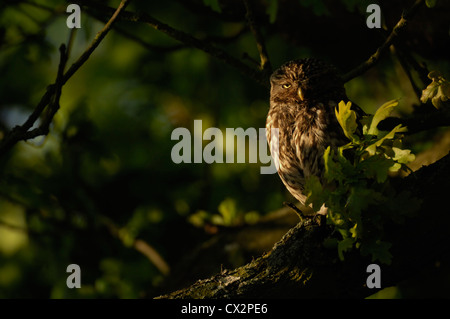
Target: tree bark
x=299 y=266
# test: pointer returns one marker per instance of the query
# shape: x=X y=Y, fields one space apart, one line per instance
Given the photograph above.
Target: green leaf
x=438 y=91
x=361 y=169
x=330 y=165
x=395 y=167
x=430 y=92
x=316 y=195
x=345 y=245
x=327 y=156
x=430 y=3
x=376 y=166
x=334 y=170
x=347 y=119
x=365 y=122
x=354 y=231
x=382 y=113
x=371 y=149
x=228 y=211
x=403 y=156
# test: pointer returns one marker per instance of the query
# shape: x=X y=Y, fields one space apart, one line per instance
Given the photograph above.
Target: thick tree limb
x=299 y=266
x=418 y=122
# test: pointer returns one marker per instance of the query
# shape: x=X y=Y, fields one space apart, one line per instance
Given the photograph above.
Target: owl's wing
x=273 y=138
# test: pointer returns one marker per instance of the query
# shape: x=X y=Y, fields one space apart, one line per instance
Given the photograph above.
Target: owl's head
x=303 y=80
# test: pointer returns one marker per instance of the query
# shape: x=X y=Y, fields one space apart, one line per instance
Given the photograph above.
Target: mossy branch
x=299 y=266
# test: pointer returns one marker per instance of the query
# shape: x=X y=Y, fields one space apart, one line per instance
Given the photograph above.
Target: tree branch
x=374 y=58
x=199 y=44
x=265 y=65
x=165 y=49
x=139 y=245
x=418 y=122
x=406 y=69
x=190 y=41
x=98 y=38
x=53 y=93
x=299 y=266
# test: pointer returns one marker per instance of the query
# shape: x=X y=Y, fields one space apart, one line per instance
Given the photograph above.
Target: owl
x=303 y=96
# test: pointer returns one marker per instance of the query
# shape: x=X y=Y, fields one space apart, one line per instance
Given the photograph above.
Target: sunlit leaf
x=347 y=119
x=403 y=156
x=354 y=231
x=395 y=167
x=228 y=211
x=382 y=113
x=438 y=91
x=371 y=149
x=430 y=3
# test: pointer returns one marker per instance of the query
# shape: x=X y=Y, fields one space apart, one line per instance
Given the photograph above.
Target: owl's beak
x=300 y=94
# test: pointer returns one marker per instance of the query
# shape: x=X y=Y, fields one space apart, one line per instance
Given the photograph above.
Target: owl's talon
x=297 y=210
x=316 y=218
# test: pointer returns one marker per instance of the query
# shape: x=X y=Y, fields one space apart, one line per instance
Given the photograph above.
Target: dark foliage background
x=101 y=191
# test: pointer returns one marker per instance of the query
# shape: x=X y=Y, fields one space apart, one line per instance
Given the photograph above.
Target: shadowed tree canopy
x=87 y=175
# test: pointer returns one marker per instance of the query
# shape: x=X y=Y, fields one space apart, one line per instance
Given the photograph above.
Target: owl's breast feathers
x=303 y=137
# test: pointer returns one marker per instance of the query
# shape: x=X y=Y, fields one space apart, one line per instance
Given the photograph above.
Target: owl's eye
x=286 y=85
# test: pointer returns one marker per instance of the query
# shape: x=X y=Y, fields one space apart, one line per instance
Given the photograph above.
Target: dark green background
x=103 y=177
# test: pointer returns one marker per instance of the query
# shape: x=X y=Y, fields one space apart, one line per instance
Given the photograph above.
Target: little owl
x=303 y=96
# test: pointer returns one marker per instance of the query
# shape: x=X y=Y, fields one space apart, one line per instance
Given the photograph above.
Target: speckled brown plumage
x=303 y=97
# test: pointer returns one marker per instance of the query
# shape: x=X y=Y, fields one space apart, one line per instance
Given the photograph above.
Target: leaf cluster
x=356 y=188
x=438 y=91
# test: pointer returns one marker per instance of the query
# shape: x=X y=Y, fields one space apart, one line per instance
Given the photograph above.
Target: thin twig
x=374 y=58
x=265 y=65
x=407 y=70
x=176 y=47
x=197 y=43
x=140 y=245
x=98 y=38
x=421 y=69
x=409 y=63
x=247 y=57
x=188 y=40
x=53 y=106
x=53 y=93
x=166 y=49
